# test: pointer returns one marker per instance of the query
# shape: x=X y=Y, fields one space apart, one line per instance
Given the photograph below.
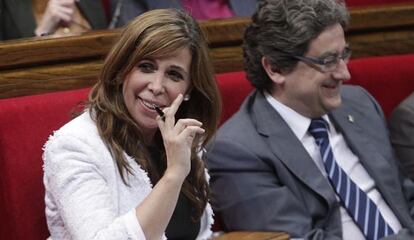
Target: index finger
x=172 y=110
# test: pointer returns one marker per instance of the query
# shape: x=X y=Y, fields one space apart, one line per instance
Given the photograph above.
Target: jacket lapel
x=288 y=149
x=379 y=169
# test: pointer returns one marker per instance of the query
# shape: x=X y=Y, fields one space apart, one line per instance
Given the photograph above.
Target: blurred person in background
x=29 y=18
x=125 y=10
x=401 y=124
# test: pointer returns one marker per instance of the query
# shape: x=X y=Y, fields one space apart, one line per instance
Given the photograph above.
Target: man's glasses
x=327 y=63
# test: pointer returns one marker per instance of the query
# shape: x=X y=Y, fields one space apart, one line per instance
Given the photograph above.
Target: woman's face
x=156 y=82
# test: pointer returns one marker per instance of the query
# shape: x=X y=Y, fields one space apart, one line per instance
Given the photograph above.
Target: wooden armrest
x=253 y=236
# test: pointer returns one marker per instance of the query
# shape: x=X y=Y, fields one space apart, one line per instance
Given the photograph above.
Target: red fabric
x=389 y=79
x=25 y=124
x=363 y=3
x=233 y=88
x=107 y=8
x=208 y=9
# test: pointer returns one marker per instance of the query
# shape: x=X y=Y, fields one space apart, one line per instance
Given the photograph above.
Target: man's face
x=309 y=90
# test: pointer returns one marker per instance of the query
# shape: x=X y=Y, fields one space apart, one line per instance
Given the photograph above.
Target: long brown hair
x=155 y=34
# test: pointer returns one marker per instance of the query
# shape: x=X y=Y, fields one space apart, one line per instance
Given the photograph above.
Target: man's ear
x=273 y=73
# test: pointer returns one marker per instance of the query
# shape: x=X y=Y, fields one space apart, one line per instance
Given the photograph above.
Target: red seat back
x=233 y=88
x=389 y=79
x=25 y=124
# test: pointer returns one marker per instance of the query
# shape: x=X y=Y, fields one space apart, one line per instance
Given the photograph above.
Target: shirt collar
x=297 y=122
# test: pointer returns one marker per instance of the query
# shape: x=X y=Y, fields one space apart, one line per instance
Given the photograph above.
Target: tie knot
x=319 y=128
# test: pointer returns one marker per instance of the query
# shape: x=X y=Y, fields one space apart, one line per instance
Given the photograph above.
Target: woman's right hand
x=178 y=139
x=56 y=11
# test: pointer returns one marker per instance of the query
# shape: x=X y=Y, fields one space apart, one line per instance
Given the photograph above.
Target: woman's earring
x=186 y=97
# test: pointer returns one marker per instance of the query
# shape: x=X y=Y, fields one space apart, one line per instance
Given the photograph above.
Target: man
x=304 y=154
x=402 y=134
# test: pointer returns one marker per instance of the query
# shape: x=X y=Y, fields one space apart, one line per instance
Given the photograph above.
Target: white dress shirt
x=345 y=158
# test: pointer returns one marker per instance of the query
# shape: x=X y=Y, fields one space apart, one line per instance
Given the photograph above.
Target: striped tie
x=363 y=211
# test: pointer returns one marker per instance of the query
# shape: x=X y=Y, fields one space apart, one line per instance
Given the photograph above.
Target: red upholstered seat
x=389 y=79
x=234 y=88
x=25 y=124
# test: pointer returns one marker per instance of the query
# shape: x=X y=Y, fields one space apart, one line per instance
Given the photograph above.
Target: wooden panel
x=227 y=59
x=36 y=80
x=36 y=65
x=387 y=16
x=38 y=51
x=381 y=43
x=225 y=32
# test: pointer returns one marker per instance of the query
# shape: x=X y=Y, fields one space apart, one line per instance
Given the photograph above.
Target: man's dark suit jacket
x=402 y=134
x=262 y=177
x=17 y=19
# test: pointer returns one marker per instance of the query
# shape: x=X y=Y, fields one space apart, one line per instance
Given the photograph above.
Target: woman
x=119 y=170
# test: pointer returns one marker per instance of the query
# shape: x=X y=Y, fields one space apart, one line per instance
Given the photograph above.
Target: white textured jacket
x=85 y=195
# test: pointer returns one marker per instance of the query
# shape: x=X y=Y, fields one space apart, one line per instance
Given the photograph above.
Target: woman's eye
x=146 y=67
x=174 y=75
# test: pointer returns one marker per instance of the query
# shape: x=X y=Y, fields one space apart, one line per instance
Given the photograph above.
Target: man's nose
x=342 y=71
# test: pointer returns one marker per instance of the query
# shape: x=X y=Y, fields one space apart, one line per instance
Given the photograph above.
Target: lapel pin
x=350 y=118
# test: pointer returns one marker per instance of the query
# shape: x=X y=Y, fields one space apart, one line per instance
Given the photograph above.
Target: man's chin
x=333 y=103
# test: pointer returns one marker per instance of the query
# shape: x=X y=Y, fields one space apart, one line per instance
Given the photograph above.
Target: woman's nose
x=156 y=85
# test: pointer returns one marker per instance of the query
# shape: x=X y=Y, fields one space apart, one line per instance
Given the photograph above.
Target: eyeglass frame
x=320 y=63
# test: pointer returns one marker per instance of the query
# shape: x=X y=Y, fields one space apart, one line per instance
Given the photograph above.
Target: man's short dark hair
x=281 y=28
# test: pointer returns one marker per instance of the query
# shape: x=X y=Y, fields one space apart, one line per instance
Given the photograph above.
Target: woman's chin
x=147 y=124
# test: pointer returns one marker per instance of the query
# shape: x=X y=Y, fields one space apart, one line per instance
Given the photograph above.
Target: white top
x=345 y=158
x=85 y=195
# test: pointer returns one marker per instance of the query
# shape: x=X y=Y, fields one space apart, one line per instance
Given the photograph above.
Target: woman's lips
x=150 y=105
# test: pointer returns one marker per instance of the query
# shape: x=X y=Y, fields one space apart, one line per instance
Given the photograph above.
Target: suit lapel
x=369 y=155
x=288 y=149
